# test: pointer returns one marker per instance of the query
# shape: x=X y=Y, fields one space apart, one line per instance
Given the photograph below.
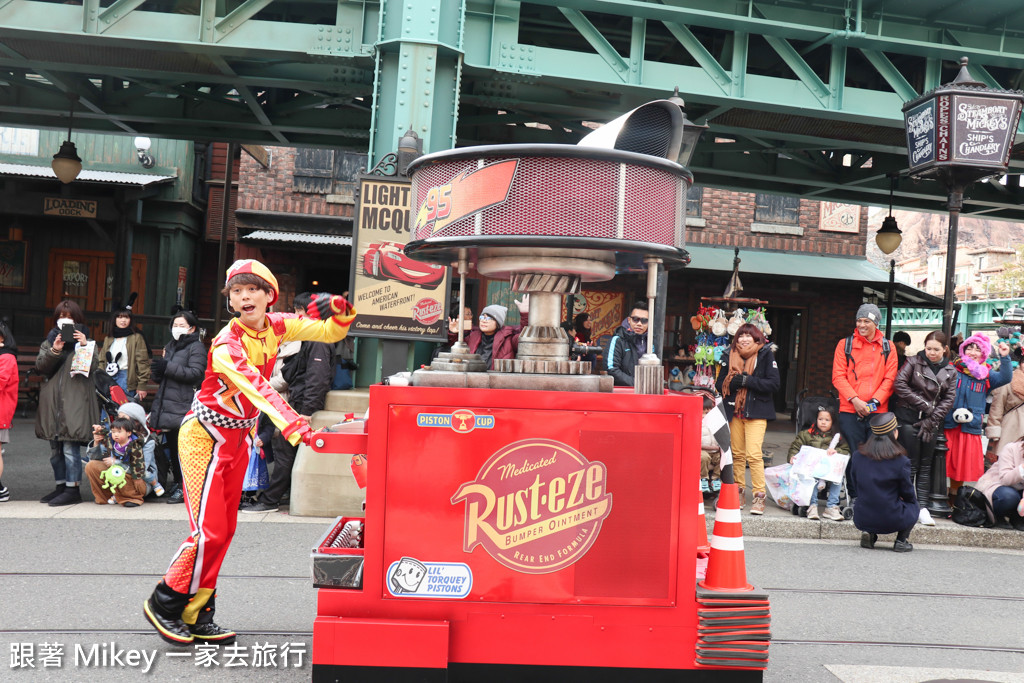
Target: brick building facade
x=809 y=310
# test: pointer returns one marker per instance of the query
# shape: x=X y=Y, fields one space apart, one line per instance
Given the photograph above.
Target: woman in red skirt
x=963 y=425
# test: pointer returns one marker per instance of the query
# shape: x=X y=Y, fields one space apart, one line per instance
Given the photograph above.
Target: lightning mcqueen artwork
x=387 y=261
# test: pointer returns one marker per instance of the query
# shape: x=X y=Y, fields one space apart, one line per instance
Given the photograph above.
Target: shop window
x=86 y=277
x=774 y=208
x=694 y=199
x=327 y=171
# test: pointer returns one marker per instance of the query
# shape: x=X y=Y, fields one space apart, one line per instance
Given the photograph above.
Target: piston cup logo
x=536 y=506
x=427 y=311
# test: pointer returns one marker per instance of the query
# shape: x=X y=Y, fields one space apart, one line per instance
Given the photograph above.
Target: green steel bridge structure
x=973 y=316
x=803 y=98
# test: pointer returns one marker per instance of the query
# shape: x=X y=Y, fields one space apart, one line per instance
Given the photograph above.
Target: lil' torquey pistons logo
x=536 y=506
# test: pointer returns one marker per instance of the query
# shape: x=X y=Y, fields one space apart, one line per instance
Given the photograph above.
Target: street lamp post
x=890 y=297
x=957 y=134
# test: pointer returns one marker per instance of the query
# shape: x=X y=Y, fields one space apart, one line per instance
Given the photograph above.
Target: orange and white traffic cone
x=727 y=569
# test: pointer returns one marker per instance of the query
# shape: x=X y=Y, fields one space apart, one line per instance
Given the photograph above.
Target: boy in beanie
x=217 y=434
x=491 y=338
x=863 y=372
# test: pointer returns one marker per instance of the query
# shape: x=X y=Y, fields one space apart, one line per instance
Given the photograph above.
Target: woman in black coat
x=748 y=386
x=886 y=502
x=178 y=373
x=925 y=389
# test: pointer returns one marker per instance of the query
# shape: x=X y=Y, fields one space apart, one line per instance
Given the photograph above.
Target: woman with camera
x=67 y=401
x=925 y=391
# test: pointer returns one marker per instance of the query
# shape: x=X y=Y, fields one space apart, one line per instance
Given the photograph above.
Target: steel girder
x=803 y=98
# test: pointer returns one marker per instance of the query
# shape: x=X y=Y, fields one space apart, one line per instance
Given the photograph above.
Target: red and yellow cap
x=253 y=267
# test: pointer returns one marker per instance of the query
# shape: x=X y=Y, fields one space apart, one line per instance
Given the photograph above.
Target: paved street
x=77 y=576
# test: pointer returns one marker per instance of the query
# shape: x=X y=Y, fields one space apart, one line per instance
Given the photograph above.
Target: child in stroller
x=816 y=426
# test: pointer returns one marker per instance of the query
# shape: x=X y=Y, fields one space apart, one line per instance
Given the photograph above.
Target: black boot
x=924 y=480
x=163 y=610
x=902 y=544
x=205 y=630
x=868 y=540
x=71 y=495
x=53 y=494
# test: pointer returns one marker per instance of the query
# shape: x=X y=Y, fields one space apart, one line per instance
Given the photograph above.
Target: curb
x=943 y=533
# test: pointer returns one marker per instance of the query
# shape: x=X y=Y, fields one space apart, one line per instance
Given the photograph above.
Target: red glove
x=301 y=428
x=324 y=306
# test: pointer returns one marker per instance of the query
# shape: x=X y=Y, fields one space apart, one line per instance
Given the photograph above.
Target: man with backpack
x=863 y=372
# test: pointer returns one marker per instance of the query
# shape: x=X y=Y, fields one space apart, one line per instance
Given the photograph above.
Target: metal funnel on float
x=549 y=218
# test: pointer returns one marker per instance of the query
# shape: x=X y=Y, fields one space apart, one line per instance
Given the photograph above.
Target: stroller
x=807 y=408
x=111 y=395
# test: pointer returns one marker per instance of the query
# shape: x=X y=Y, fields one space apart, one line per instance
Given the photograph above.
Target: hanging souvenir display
x=711 y=327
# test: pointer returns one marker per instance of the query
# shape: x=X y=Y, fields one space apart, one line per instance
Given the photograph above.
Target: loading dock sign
x=69 y=208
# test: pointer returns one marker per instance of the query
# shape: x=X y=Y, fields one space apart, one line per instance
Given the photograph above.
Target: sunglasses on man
x=638 y=320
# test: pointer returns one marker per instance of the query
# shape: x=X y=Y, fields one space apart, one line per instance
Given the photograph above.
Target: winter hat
x=254 y=267
x=883 y=423
x=137 y=413
x=869 y=311
x=979 y=339
x=497 y=312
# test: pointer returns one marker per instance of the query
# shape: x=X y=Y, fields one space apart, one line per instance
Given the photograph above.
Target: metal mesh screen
x=648 y=131
x=566 y=196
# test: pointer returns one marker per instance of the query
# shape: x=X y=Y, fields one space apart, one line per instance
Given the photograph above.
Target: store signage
x=70 y=208
x=921 y=134
x=982 y=129
x=536 y=506
x=395 y=295
x=836 y=217
x=972 y=130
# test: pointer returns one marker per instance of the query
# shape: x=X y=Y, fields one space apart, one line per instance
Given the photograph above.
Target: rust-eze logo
x=427 y=311
x=536 y=506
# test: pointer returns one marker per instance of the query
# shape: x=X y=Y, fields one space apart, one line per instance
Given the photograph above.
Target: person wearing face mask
x=178 y=373
x=67 y=402
x=127 y=348
x=748 y=388
x=974 y=380
x=924 y=386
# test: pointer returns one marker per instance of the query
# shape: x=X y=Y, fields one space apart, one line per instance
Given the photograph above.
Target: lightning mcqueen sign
x=395 y=294
x=467 y=194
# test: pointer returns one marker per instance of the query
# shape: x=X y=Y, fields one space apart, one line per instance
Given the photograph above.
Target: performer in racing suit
x=217 y=434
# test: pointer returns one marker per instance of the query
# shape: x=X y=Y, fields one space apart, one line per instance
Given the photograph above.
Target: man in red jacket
x=863 y=372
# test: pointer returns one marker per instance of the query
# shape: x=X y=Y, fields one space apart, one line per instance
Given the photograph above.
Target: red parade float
x=531 y=522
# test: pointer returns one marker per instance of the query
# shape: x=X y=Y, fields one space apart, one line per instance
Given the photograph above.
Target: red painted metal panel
x=628 y=601
x=380 y=642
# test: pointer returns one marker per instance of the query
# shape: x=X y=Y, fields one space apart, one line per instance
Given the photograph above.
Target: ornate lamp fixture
x=888 y=237
x=66 y=163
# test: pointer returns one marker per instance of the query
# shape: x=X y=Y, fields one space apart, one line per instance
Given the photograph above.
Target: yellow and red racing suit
x=217 y=435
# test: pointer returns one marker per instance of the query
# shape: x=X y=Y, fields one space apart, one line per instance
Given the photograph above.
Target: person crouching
x=886 y=501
